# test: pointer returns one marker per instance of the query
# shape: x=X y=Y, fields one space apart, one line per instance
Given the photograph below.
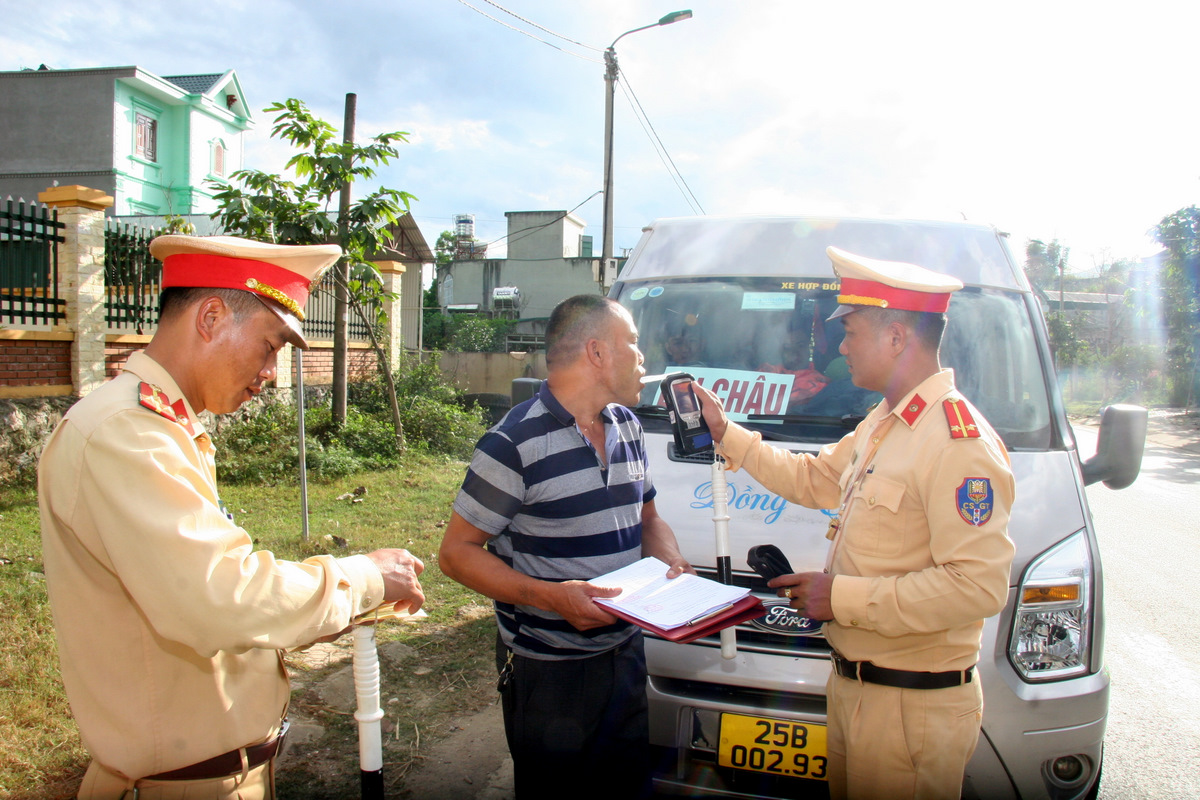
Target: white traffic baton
x=720 y=495
x=369 y=713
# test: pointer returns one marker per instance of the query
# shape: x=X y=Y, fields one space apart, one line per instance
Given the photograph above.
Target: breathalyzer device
x=687 y=423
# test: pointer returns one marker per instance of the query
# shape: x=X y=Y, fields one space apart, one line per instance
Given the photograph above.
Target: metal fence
x=133 y=283
x=321 y=310
x=132 y=278
x=29 y=265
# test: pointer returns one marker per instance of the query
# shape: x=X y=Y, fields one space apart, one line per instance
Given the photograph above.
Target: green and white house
x=150 y=142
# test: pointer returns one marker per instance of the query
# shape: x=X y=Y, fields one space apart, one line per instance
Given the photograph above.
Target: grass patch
x=437 y=668
x=1083 y=409
x=259 y=445
x=39 y=743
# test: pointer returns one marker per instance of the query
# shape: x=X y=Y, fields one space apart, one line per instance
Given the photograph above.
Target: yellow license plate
x=775 y=746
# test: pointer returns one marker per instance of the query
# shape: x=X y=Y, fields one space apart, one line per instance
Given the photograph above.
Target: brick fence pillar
x=391 y=272
x=285 y=365
x=81 y=278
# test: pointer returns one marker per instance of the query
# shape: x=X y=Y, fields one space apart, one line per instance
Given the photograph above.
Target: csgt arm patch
x=974 y=500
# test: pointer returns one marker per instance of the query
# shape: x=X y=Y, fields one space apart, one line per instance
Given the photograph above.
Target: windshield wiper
x=653 y=411
x=847 y=421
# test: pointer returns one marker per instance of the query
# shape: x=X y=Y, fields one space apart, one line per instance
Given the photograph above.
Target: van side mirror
x=1122 y=439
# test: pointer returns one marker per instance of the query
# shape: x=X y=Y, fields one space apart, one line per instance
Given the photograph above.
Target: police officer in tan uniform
x=919 y=553
x=170 y=625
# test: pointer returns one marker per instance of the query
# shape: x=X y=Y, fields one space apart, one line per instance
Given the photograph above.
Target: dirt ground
x=1165 y=427
x=1174 y=427
x=443 y=736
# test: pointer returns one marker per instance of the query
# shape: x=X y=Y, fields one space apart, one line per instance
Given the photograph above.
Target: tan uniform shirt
x=169 y=622
x=921 y=554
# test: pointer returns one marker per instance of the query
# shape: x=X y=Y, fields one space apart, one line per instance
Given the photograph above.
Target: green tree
x=1134 y=370
x=471 y=333
x=177 y=224
x=1046 y=264
x=436 y=326
x=1070 y=349
x=445 y=249
x=1178 y=282
x=269 y=207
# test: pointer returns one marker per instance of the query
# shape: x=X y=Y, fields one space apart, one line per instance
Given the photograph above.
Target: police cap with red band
x=280 y=275
x=869 y=282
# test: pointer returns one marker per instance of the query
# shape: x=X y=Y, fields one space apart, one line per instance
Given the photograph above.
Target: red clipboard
x=747 y=608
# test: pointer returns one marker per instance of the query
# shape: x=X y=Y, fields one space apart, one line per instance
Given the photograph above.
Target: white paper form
x=649 y=595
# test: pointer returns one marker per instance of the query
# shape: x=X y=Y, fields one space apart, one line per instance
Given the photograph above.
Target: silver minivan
x=741 y=303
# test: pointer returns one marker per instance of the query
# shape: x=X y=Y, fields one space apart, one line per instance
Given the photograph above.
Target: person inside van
x=796 y=360
x=919 y=554
x=684 y=346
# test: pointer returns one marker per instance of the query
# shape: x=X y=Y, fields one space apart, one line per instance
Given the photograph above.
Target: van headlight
x=1052 y=628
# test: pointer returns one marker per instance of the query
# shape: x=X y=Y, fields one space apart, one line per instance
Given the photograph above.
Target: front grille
x=703 y=457
x=732 y=697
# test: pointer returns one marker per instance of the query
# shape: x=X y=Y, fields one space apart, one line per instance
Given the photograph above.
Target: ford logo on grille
x=783 y=619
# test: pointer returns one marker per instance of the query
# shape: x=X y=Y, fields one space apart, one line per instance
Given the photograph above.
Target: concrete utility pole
x=341 y=289
x=610 y=80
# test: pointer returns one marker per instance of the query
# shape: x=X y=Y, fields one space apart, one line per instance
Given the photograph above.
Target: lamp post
x=610 y=79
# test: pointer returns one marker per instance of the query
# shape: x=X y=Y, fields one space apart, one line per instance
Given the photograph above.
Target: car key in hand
x=768 y=561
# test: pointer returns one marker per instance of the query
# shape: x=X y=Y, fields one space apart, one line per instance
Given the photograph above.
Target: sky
x=1066 y=120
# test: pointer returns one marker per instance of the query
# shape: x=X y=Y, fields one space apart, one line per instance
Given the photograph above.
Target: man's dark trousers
x=579 y=727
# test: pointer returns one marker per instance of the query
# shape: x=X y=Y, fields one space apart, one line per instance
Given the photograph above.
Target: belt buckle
x=842 y=665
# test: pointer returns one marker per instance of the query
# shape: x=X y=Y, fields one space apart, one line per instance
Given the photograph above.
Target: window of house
x=146 y=137
x=218 y=158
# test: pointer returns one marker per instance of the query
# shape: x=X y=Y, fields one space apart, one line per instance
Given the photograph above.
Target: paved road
x=1150 y=549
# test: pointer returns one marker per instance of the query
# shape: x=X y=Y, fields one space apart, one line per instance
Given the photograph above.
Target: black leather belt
x=226 y=764
x=900 y=678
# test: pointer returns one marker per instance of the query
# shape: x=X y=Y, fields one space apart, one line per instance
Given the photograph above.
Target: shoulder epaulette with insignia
x=157 y=401
x=962 y=425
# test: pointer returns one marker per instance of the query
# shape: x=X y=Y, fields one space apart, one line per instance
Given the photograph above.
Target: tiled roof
x=194 y=84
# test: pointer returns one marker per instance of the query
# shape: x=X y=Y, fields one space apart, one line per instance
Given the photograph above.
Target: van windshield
x=765 y=347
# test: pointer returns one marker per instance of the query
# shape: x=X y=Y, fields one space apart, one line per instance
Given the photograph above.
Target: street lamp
x=610 y=79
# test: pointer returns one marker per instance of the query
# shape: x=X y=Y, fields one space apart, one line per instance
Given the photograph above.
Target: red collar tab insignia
x=182 y=417
x=962 y=425
x=913 y=410
x=157 y=401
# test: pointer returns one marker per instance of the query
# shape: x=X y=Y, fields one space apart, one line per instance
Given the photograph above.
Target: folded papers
x=680 y=609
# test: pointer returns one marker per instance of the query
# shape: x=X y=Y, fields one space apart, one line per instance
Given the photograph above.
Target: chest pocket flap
x=877 y=523
x=877 y=493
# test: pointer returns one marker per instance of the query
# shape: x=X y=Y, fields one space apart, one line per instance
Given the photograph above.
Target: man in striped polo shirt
x=558 y=493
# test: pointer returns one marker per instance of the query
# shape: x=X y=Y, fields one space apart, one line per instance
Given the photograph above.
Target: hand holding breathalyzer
x=713 y=411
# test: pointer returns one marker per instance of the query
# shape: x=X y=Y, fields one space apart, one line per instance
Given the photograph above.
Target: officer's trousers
x=890 y=744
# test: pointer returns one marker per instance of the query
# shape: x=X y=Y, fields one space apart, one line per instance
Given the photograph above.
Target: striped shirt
x=557 y=513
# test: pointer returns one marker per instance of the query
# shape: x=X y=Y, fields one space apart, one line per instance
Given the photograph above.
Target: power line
x=535 y=228
x=663 y=160
x=647 y=126
x=540 y=28
x=527 y=33
x=643 y=119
